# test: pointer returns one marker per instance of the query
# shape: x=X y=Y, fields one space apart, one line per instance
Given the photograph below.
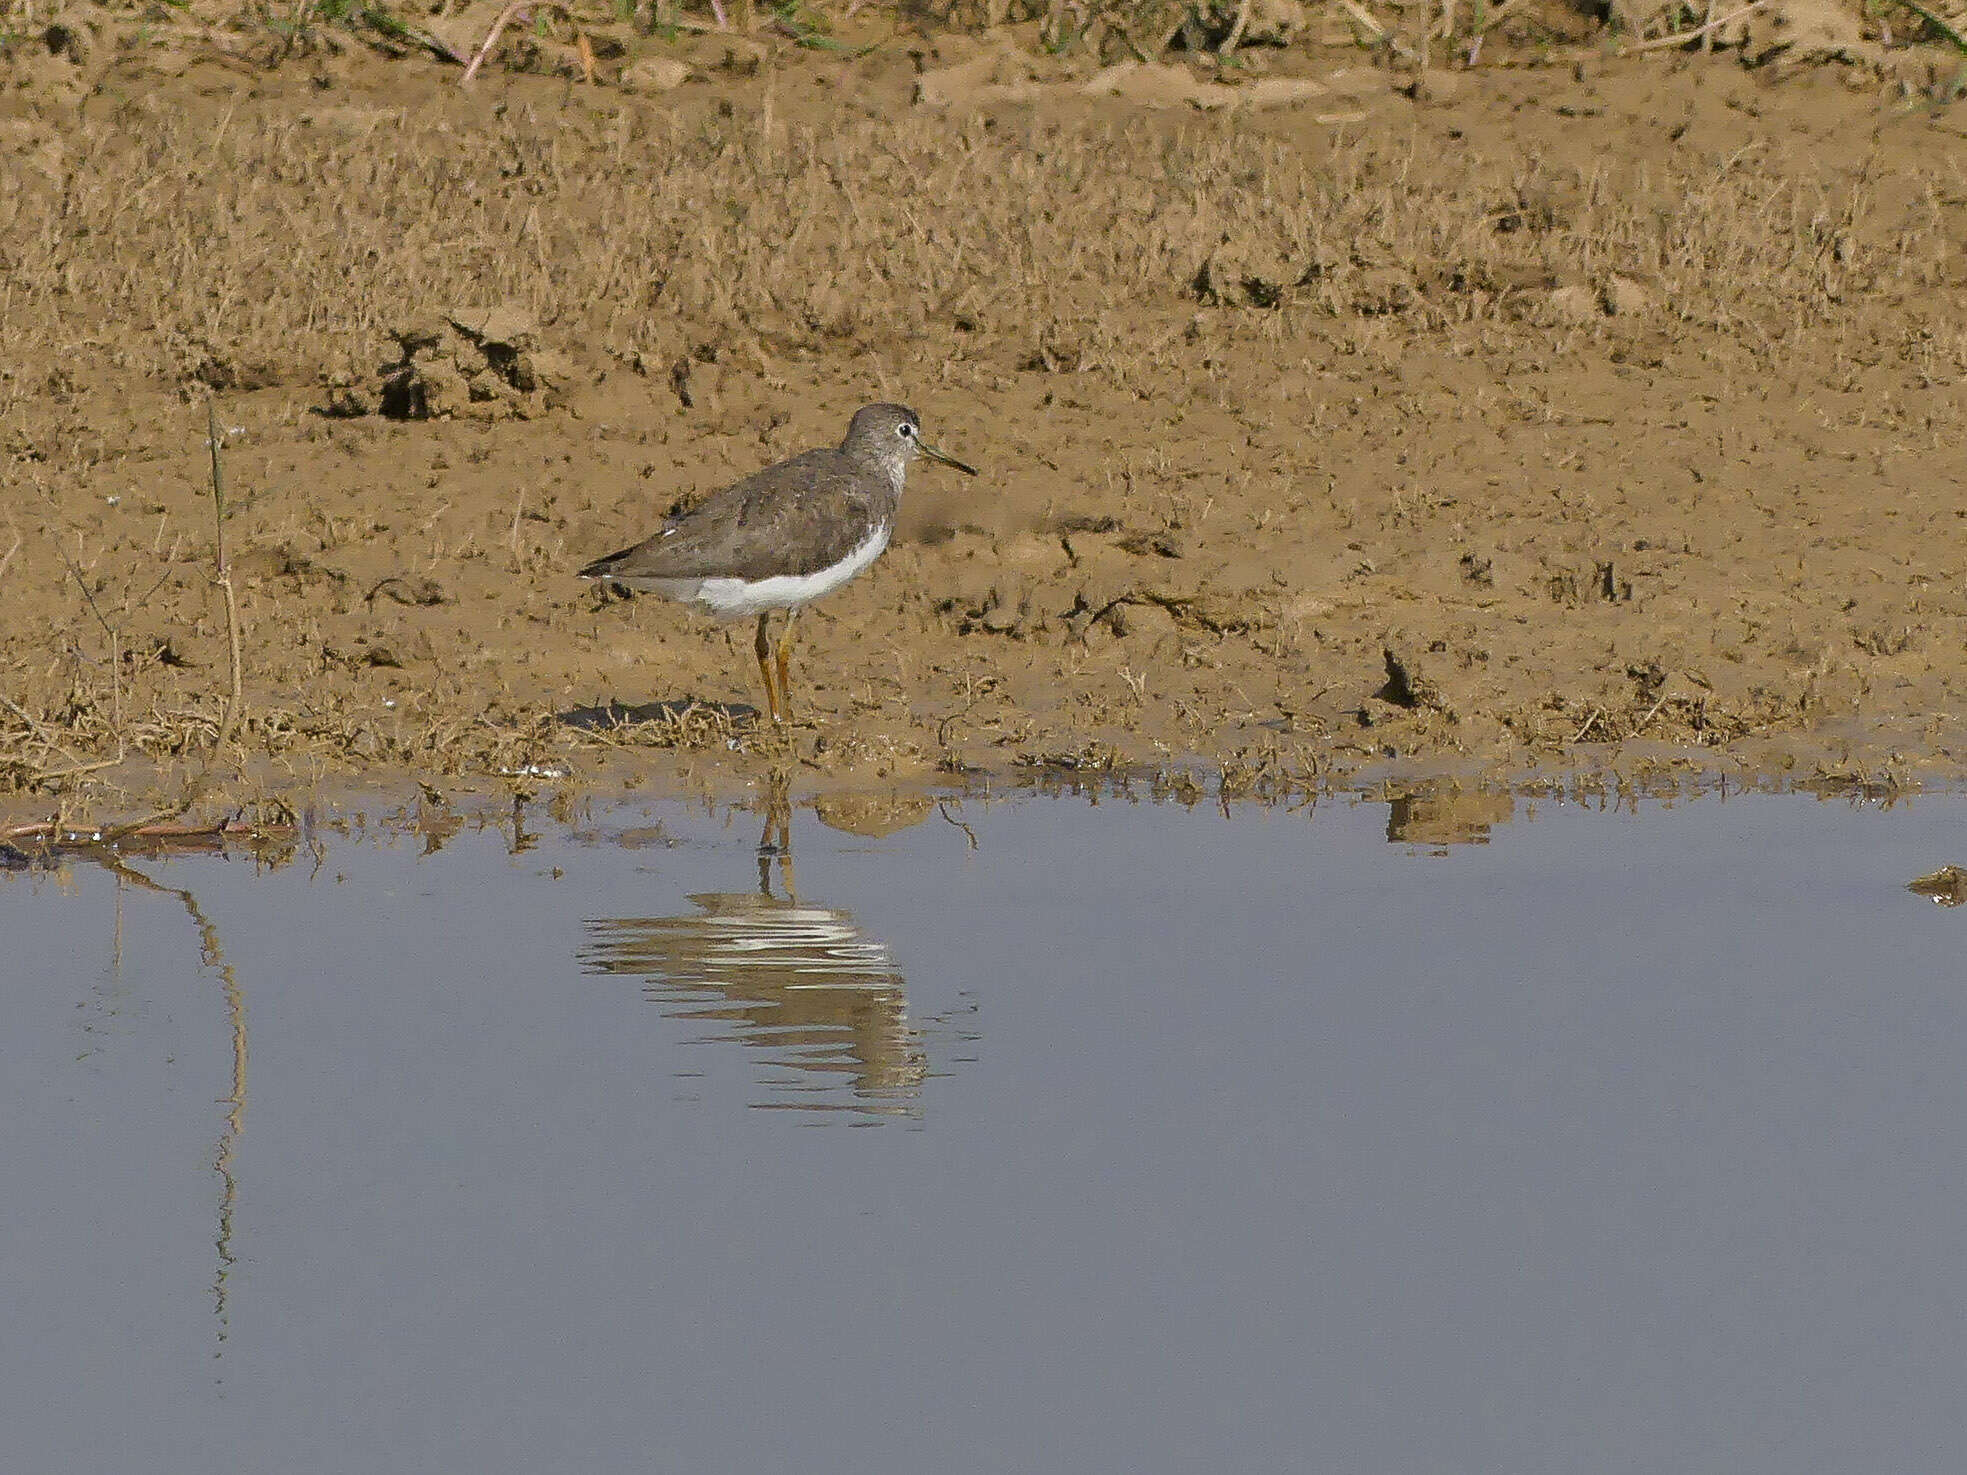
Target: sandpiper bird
x=783 y=536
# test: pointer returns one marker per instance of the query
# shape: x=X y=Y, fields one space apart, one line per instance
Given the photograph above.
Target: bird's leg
x=763 y=646
x=785 y=657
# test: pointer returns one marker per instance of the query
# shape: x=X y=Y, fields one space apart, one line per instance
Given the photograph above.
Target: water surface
x=1132 y=1138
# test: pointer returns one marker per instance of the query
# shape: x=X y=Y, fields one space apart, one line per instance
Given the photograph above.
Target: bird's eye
x=905 y=430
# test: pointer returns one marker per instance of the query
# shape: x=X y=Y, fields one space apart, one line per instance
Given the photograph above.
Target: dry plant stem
x=76 y=770
x=1651 y=712
x=225 y=584
x=504 y=18
x=200 y=780
x=38 y=729
x=1687 y=38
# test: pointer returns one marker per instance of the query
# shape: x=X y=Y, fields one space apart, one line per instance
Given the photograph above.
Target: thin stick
x=1651 y=713
x=505 y=16
x=40 y=731
x=74 y=770
x=1687 y=38
x=48 y=742
x=485 y=46
x=225 y=583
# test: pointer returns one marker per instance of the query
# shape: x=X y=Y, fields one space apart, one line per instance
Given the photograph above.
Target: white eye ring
x=905 y=430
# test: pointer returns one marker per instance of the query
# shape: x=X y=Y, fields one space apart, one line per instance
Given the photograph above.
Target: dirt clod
x=480 y=364
x=1412 y=679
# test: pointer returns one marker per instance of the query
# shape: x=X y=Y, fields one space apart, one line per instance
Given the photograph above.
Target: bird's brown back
x=798 y=517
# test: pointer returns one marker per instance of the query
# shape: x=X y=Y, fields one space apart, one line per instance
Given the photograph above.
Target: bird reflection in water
x=801 y=983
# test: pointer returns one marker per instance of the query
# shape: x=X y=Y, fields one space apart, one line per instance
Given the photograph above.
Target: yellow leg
x=785 y=658
x=763 y=645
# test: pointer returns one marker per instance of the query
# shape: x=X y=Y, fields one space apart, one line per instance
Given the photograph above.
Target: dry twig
x=1699 y=33
x=517 y=7
x=225 y=583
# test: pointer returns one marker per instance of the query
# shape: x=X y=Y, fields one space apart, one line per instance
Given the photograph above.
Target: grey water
x=1110 y=1136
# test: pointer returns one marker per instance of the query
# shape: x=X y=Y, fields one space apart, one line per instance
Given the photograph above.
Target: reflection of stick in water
x=212 y=954
x=801 y=982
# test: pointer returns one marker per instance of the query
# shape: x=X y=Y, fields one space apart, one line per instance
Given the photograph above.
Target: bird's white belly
x=734 y=599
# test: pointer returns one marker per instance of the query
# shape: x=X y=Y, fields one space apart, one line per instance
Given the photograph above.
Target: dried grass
x=289 y=249
x=587 y=39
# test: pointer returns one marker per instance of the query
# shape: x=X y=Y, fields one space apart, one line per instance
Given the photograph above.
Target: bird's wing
x=746 y=529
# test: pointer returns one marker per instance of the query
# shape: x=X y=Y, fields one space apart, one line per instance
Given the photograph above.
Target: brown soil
x=1603 y=413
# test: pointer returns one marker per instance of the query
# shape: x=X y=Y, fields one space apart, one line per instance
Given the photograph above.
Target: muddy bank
x=1602 y=417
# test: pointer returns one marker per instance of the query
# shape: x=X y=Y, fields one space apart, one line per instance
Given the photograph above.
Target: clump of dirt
x=489 y=364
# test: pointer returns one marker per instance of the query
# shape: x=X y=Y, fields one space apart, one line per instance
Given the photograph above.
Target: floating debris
x=1947 y=886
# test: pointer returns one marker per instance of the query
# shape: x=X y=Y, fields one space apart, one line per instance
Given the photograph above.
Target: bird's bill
x=943 y=456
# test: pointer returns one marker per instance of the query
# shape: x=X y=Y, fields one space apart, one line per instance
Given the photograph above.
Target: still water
x=1128 y=1138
